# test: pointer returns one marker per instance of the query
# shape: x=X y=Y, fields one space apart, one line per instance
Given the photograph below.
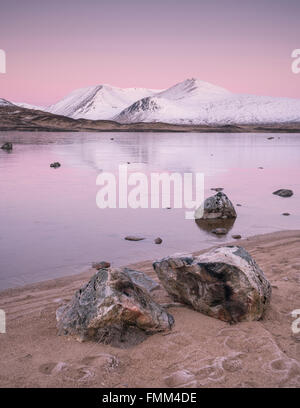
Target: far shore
x=15 y=118
x=200 y=351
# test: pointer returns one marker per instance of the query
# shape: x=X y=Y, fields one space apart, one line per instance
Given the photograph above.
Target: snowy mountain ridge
x=190 y=102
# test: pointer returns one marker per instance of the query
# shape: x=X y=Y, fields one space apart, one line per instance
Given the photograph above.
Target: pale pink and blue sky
x=56 y=46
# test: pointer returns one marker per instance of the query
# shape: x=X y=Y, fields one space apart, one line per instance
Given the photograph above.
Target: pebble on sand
x=101 y=265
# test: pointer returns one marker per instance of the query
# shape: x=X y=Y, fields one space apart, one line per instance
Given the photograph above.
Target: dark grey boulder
x=283 y=192
x=225 y=283
x=141 y=279
x=55 y=165
x=112 y=309
x=219 y=231
x=216 y=207
x=7 y=146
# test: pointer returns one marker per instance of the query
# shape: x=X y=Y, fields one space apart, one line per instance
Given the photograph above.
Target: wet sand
x=199 y=352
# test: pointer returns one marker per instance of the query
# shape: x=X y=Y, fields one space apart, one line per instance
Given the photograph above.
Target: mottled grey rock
x=225 y=283
x=286 y=214
x=7 y=146
x=284 y=192
x=112 y=309
x=216 y=207
x=141 y=279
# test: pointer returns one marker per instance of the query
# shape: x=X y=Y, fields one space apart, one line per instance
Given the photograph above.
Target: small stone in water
x=55 y=165
x=133 y=238
x=219 y=231
x=158 y=240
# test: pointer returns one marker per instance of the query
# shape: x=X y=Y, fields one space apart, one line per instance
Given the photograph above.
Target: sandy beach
x=199 y=352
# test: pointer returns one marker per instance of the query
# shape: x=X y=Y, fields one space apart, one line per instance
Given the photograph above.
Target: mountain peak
x=193 y=87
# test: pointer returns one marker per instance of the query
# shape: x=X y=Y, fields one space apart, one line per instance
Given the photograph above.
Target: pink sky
x=56 y=47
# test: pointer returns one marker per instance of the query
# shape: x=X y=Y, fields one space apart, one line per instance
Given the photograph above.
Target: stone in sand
x=283 y=192
x=133 y=238
x=101 y=265
x=7 y=146
x=112 y=309
x=216 y=207
x=225 y=283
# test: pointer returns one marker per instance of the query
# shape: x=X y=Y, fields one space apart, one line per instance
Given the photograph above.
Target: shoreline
x=200 y=351
x=28 y=120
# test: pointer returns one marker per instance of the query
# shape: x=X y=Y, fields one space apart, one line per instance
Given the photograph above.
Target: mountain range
x=191 y=102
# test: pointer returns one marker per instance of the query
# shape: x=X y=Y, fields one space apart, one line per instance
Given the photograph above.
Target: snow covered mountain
x=191 y=102
x=98 y=102
x=29 y=106
x=200 y=103
x=4 y=102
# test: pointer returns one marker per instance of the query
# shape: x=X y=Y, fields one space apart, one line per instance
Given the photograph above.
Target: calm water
x=50 y=225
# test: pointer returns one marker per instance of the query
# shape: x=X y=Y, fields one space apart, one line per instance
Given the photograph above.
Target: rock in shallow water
x=133 y=238
x=225 y=283
x=55 y=165
x=112 y=309
x=216 y=207
x=7 y=146
x=284 y=192
x=219 y=231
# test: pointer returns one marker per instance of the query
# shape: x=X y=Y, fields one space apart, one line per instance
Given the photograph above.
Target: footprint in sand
x=181 y=378
x=67 y=371
x=104 y=361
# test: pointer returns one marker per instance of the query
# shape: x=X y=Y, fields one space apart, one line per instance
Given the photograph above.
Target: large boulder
x=111 y=308
x=225 y=283
x=216 y=207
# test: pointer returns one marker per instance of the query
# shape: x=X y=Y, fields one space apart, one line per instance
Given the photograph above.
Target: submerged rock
x=286 y=214
x=55 y=165
x=236 y=236
x=7 y=146
x=158 y=240
x=283 y=192
x=133 y=238
x=219 y=231
x=225 y=283
x=216 y=207
x=112 y=309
